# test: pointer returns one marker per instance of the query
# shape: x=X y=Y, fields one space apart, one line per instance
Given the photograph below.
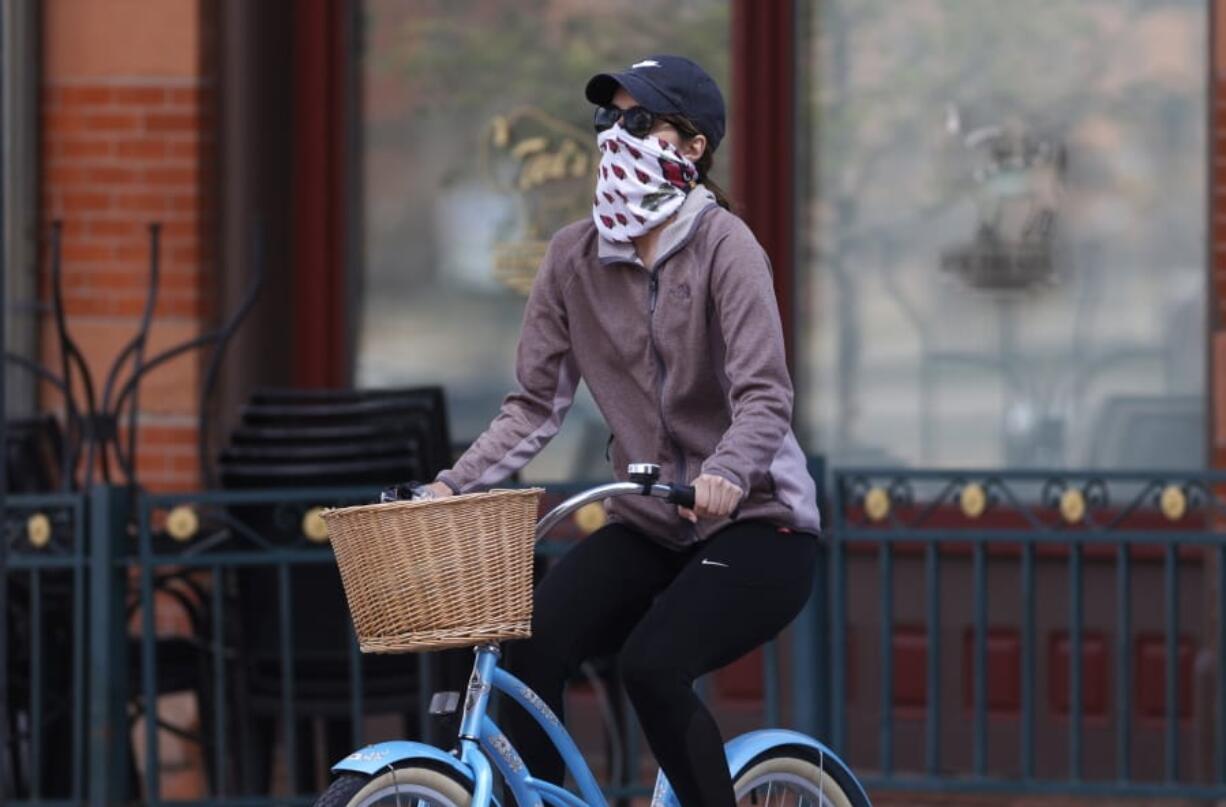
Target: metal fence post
x=810 y=681
x=108 y=648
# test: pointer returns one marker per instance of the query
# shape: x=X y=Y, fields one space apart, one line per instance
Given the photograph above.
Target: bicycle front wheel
x=413 y=784
x=791 y=776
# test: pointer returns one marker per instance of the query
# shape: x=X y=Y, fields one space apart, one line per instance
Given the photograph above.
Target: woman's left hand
x=714 y=497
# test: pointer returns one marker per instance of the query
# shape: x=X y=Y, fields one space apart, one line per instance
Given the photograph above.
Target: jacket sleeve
x=759 y=387
x=547 y=376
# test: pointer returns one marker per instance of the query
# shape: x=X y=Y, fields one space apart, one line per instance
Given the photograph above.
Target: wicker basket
x=450 y=572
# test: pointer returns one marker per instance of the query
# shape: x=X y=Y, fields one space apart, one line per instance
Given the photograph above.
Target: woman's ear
x=694 y=148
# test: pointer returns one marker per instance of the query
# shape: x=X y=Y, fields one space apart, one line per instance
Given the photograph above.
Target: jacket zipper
x=653 y=293
x=661 y=373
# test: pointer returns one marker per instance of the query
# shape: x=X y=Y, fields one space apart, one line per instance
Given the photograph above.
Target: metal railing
x=968 y=631
x=1025 y=546
x=210 y=593
x=49 y=569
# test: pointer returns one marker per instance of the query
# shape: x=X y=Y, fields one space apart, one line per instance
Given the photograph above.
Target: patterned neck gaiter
x=640 y=183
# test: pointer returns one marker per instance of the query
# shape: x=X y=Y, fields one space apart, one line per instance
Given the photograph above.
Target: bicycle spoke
x=775 y=790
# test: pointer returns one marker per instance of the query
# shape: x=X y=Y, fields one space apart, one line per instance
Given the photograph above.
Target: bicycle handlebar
x=681 y=495
x=643 y=482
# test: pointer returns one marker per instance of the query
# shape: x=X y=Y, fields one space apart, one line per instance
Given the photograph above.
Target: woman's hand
x=439 y=490
x=714 y=497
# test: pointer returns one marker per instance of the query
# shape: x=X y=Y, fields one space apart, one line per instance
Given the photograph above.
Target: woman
x=662 y=302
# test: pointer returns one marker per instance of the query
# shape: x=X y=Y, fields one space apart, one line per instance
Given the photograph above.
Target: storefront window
x=477 y=146
x=1003 y=238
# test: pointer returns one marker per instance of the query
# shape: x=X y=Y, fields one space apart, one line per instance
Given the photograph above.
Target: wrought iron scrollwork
x=1035 y=501
x=92 y=420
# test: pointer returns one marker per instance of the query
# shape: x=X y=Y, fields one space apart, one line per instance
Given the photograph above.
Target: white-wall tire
x=789 y=767
x=421 y=784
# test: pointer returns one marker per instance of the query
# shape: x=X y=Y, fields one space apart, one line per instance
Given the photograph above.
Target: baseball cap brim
x=602 y=87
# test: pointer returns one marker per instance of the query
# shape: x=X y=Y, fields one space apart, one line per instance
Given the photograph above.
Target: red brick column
x=128 y=137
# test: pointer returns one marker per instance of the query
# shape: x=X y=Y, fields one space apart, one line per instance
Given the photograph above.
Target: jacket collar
x=676 y=233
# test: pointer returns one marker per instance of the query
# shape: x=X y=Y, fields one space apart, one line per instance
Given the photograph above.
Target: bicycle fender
x=374 y=759
x=741 y=749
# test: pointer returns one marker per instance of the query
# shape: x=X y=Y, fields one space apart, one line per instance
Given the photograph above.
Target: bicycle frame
x=482 y=742
x=481 y=737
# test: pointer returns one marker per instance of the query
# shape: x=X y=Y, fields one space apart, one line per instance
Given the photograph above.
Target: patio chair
x=391 y=414
x=290 y=439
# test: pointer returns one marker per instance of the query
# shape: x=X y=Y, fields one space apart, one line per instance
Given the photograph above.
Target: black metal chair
x=296 y=439
x=289 y=453
x=390 y=414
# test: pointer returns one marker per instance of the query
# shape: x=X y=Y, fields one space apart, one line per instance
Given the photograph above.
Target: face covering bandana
x=640 y=183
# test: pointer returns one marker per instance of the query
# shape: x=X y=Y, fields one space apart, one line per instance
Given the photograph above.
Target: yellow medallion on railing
x=1174 y=502
x=314 y=527
x=877 y=504
x=973 y=500
x=182 y=523
x=38 y=530
x=590 y=517
x=1073 y=506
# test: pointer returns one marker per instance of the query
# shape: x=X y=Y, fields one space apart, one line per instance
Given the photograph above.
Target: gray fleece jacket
x=684 y=358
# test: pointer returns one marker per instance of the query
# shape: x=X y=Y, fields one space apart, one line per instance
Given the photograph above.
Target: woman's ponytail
x=704 y=165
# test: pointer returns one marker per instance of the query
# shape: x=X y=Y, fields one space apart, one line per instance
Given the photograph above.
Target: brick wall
x=128 y=137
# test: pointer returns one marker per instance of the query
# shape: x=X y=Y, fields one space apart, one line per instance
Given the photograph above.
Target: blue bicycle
x=769 y=766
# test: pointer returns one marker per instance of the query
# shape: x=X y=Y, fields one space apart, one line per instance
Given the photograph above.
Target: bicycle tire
x=799 y=767
x=342 y=790
x=424 y=784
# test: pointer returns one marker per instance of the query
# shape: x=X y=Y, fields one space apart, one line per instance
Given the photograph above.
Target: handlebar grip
x=682 y=495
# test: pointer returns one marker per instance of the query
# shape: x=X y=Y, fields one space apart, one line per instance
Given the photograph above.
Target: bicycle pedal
x=444 y=703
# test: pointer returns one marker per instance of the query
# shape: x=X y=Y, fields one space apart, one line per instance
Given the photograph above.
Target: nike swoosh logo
x=706 y=562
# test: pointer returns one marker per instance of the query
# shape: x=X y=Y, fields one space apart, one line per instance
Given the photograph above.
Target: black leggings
x=674 y=615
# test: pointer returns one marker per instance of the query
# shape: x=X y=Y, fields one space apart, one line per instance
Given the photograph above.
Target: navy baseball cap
x=667 y=85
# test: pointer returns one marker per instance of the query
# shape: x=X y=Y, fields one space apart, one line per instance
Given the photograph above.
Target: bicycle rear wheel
x=794 y=776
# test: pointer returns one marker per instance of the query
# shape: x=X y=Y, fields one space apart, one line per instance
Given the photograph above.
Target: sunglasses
x=635 y=120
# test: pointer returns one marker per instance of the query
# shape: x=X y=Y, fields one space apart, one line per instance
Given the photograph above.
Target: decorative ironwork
x=92 y=417
x=1076 y=518
x=1037 y=501
x=207 y=524
x=45 y=525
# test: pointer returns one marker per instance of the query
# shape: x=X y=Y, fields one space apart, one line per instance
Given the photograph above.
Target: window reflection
x=1006 y=233
x=477 y=146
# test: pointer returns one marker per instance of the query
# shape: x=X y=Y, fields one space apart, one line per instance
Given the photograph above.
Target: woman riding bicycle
x=662 y=302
